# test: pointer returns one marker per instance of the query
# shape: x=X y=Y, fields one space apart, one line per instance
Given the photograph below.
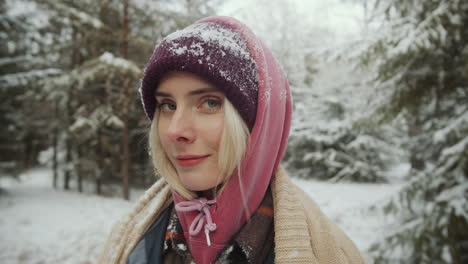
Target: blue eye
x=167 y=107
x=212 y=103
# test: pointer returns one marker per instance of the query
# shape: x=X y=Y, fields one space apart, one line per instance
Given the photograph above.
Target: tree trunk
x=80 y=171
x=27 y=151
x=100 y=162
x=416 y=160
x=125 y=136
x=457 y=238
x=68 y=143
x=125 y=161
x=67 y=174
x=55 y=139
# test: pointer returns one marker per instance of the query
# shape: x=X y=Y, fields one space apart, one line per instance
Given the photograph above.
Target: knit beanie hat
x=212 y=51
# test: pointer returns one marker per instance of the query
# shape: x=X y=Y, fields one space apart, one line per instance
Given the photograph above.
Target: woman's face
x=190 y=125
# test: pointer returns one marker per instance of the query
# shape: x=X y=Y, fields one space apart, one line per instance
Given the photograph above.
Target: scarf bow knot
x=203 y=206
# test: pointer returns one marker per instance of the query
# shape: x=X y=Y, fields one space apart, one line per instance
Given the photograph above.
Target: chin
x=198 y=182
x=198 y=188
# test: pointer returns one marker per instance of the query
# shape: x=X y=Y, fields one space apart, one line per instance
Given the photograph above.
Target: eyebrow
x=191 y=93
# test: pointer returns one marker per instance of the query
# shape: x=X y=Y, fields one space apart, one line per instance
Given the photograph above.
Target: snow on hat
x=213 y=51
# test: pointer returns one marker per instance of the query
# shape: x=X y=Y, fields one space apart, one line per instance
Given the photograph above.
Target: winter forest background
x=379 y=138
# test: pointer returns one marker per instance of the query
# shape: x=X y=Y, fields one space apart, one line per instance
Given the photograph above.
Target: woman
x=220 y=108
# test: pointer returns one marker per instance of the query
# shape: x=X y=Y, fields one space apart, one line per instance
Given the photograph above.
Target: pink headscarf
x=243 y=194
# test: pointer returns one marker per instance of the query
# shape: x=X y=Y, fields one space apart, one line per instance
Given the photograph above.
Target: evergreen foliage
x=342 y=153
x=23 y=64
x=329 y=140
x=421 y=56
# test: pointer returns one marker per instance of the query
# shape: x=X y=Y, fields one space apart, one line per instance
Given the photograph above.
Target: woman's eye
x=167 y=107
x=211 y=104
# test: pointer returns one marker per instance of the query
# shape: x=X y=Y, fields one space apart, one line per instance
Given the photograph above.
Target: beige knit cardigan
x=303 y=234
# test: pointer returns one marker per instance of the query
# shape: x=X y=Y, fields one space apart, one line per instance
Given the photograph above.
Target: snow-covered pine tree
x=74 y=27
x=83 y=30
x=329 y=140
x=24 y=63
x=99 y=119
x=94 y=32
x=421 y=54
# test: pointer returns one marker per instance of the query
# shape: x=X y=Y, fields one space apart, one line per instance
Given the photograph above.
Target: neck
x=209 y=194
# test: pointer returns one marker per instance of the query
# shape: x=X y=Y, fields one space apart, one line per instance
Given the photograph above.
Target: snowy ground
x=41 y=225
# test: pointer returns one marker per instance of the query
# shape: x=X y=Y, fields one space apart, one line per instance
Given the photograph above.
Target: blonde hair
x=233 y=144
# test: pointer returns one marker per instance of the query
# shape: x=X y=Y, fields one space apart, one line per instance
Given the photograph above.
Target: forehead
x=183 y=82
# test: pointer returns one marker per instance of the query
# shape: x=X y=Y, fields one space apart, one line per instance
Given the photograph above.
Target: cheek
x=214 y=131
x=162 y=129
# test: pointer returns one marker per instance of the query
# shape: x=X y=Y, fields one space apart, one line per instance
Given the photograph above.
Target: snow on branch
x=24 y=78
x=455 y=126
x=83 y=17
x=120 y=63
x=105 y=67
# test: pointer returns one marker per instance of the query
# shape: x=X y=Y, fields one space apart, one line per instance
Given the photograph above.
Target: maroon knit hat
x=214 y=51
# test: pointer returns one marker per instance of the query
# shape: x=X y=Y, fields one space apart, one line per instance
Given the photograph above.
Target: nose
x=181 y=129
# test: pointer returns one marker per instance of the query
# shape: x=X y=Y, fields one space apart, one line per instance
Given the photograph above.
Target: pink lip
x=190 y=160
